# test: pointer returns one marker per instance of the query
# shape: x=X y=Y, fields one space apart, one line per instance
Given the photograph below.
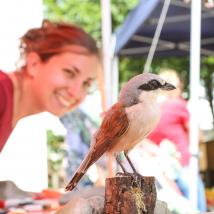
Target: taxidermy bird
x=126 y=123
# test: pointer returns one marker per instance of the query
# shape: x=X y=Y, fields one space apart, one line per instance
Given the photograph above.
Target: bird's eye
x=154 y=84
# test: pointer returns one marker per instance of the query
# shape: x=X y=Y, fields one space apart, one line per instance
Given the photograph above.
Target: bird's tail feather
x=72 y=184
x=86 y=163
x=92 y=156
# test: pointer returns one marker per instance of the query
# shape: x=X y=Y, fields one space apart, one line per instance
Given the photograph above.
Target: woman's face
x=60 y=84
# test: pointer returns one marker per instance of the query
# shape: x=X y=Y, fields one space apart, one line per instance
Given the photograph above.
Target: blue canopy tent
x=134 y=36
x=187 y=30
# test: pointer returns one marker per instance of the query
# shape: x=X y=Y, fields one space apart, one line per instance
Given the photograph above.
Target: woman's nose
x=76 y=89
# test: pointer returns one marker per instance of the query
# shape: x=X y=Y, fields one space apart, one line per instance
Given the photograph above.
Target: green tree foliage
x=87 y=13
x=136 y=66
x=56 y=150
x=56 y=154
x=207 y=75
x=82 y=12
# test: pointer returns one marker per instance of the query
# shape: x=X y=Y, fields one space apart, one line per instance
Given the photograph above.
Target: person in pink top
x=58 y=64
x=174 y=127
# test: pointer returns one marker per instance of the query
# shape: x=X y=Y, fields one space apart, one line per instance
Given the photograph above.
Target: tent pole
x=147 y=66
x=195 y=42
x=106 y=43
x=110 y=79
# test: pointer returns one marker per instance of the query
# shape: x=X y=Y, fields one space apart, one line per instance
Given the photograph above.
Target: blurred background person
x=174 y=128
x=80 y=128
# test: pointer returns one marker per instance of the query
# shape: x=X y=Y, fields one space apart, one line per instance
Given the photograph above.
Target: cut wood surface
x=130 y=193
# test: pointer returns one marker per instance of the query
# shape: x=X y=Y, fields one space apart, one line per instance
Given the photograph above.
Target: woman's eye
x=87 y=84
x=70 y=72
x=90 y=86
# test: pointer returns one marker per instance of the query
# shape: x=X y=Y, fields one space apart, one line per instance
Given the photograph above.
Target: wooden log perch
x=130 y=194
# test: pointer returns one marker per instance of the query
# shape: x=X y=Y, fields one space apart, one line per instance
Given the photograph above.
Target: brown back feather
x=114 y=125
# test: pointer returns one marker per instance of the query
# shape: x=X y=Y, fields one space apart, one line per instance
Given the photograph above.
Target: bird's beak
x=168 y=87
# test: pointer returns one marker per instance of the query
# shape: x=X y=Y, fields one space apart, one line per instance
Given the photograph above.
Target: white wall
x=16 y=16
x=24 y=157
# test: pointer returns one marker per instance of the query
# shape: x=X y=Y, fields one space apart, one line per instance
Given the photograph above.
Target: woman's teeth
x=65 y=102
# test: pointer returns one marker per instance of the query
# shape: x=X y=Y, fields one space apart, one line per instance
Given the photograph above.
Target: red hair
x=53 y=38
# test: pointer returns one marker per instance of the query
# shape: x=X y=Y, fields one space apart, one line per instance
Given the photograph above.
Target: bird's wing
x=114 y=125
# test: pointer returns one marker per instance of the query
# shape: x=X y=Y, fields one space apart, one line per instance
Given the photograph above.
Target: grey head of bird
x=146 y=82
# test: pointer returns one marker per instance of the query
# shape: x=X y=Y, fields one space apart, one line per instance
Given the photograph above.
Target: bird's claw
x=120 y=174
x=133 y=175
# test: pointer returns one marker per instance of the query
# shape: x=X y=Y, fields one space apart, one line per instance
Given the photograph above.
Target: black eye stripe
x=151 y=85
x=145 y=87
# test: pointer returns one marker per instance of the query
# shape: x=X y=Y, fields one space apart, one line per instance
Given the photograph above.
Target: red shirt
x=6 y=108
x=172 y=126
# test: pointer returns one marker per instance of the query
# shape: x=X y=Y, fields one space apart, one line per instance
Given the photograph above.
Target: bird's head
x=141 y=86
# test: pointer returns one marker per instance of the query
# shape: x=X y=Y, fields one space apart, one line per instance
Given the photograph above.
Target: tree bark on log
x=130 y=194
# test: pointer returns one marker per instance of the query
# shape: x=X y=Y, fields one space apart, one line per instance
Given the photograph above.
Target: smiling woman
x=58 y=64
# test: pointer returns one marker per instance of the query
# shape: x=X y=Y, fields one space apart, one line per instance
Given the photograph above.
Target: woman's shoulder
x=6 y=89
x=3 y=76
x=5 y=81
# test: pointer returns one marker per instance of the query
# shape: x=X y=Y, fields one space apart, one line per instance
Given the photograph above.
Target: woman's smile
x=64 y=101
